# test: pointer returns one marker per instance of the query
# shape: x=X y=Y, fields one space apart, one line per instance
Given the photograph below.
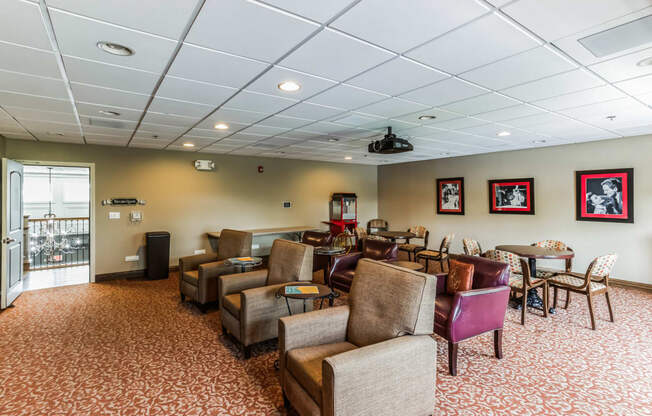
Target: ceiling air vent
x=114 y=124
x=619 y=38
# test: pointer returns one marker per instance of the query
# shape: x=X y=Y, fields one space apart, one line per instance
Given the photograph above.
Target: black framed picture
x=511 y=196
x=450 y=196
x=605 y=195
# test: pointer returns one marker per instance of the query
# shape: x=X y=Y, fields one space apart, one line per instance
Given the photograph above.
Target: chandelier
x=57 y=241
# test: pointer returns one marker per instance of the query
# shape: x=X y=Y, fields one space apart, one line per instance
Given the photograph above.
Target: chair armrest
x=344 y=262
x=236 y=283
x=477 y=311
x=215 y=269
x=394 y=377
x=192 y=262
x=325 y=326
x=441 y=282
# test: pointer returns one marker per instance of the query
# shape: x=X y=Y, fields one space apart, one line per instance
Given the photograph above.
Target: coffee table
x=237 y=261
x=394 y=235
x=409 y=265
x=324 y=292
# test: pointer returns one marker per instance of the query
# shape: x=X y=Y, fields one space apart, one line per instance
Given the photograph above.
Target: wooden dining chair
x=471 y=247
x=411 y=249
x=520 y=279
x=546 y=272
x=594 y=282
x=434 y=255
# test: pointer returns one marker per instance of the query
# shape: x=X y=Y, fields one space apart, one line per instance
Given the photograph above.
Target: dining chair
x=520 y=279
x=441 y=255
x=377 y=224
x=472 y=247
x=411 y=249
x=594 y=282
x=546 y=272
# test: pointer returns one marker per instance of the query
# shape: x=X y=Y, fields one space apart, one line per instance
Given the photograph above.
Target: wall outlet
x=202 y=251
x=114 y=215
x=255 y=246
x=132 y=258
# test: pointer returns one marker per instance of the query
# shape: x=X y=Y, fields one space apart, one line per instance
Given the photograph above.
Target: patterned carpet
x=131 y=348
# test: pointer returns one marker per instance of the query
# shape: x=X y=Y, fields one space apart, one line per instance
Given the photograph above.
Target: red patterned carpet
x=131 y=348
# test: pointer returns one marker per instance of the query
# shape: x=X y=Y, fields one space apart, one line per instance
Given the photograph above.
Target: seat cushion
x=460 y=277
x=232 y=304
x=573 y=281
x=410 y=247
x=429 y=253
x=305 y=365
x=516 y=280
x=345 y=276
x=191 y=276
x=443 y=304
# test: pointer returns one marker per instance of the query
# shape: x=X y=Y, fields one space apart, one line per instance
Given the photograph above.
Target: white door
x=11 y=254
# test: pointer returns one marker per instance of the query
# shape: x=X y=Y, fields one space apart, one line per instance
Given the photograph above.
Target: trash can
x=157 y=254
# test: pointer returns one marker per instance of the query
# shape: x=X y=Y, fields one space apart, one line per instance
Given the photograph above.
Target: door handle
x=8 y=240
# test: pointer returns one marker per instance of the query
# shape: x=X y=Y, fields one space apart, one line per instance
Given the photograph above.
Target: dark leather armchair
x=476 y=311
x=343 y=267
x=318 y=239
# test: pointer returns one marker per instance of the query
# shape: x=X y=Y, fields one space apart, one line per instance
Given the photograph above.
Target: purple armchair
x=343 y=267
x=476 y=311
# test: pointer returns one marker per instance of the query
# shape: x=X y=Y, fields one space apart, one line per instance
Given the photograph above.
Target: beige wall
x=189 y=203
x=407 y=196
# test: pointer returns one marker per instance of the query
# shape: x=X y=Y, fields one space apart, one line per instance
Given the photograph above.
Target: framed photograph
x=605 y=195
x=450 y=196
x=511 y=196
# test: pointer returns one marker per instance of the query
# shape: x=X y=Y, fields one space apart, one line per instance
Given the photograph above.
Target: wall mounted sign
x=511 y=196
x=450 y=196
x=605 y=195
x=123 y=201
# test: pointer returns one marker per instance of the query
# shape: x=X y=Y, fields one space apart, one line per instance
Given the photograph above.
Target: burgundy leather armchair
x=343 y=267
x=476 y=311
x=318 y=239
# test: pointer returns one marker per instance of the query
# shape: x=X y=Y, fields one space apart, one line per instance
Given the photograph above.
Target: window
x=76 y=190
x=36 y=189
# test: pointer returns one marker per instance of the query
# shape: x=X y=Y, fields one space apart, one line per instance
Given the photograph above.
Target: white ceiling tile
x=299 y=134
x=143 y=143
x=216 y=148
x=627 y=112
x=440 y=115
x=232 y=116
x=646 y=98
x=310 y=85
x=169 y=119
x=565 y=83
x=109 y=76
x=27 y=84
x=253 y=101
x=499 y=3
x=481 y=103
x=280 y=141
x=181 y=108
x=107 y=96
x=422 y=20
x=311 y=111
x=108 y=131
x=20 y=22
x=50 y=128
x=285 y=122
x=167 y=18
x=248 y=29
x=536 y=119
x=491 y=130
x=577 y=99
x=66 y=138
x=393 y=107
x=17 y=136
x=458 y=123
x=34 y=102
x=214 y=133
x=21 y=114
x=108 y=123
x=354 y=119
x=525 y=67
x=105 y=140
x=444 y=92
x=554 y=19
x=93 y=110
x=624 y=67
x=347 y=97
x=242 y=139
x=151 y=53
x=405 y=75
x=335 y=56
x=194 y=91
x=521 y=110
x=636 y=131
x=197 y=141
x=27 y=60
x=636 y=86
x=483 y=41
x=264 y=130
x=319 y=11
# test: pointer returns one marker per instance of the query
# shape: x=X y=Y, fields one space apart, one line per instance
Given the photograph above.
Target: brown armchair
x=318 y=239
x=377 y=224
x=198 y=274
x=343 y=267
x=374 y=356
x=249 y=307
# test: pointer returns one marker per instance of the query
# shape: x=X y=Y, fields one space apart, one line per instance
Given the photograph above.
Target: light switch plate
x=202 y=251
x=114 y=215
x=132 y=258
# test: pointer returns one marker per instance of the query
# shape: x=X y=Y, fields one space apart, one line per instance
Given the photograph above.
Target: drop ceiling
x=481 y=67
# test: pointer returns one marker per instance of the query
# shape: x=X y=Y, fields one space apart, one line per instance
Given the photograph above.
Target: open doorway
x=57 y=228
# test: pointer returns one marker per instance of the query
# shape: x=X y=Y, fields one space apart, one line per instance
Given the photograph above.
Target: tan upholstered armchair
x=374 y=356
x=198 y=274
x=249 y=307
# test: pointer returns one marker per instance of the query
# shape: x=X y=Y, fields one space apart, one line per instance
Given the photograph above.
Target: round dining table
x=395 y=235
x=532 y=253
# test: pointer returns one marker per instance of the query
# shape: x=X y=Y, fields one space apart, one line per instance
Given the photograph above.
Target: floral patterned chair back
x=553 y=244
x=471 y=247
x=510 y=259
x=602 y=266
x=446 y=243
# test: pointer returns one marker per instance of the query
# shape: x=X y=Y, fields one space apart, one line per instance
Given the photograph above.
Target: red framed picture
x=511 y=196
x=450 y=196
x=605 y=195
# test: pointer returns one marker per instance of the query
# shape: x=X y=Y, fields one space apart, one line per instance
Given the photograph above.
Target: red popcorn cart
x=343 y=213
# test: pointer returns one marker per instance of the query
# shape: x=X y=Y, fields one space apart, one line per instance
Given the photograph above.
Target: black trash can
x=157 y=254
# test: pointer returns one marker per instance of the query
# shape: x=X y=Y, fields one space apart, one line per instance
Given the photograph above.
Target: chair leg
x=452 y=358
x=202 y=307
x=441 y=266
x=554 y=297
x=545 y=299
x=247 y=351
x=590 y=301
x=568 y=293
x=183 y=297
x=224 y=331
x=611 y=312
x=426 y=259
x=498 y=343
x=286 y=402
x=523 y=305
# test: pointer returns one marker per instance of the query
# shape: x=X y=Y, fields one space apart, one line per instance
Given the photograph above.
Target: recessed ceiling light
x=348 y=158
x=333 y=139
x=427 y=117
x=289 y=86
x=187 y=144
x=115 y=48
x=538 y=141
x=611 y=118
x=109 y=113
x=645 y=62
x=503 y=134
x=221 y=126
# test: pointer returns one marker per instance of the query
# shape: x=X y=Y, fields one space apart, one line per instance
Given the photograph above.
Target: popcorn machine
x=343 y=213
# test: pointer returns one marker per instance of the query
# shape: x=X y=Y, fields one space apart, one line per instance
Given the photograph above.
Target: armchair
x=377 y=224
x=473 y=312
x=318 y=239
x=198 y=274
x=374 y=356
x=343 y=267
x=249 y=307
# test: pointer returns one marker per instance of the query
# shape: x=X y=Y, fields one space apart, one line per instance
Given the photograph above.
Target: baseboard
x=627 y=283
x=130 y=274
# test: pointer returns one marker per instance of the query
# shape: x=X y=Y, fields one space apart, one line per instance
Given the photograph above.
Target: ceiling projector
x=390 y=144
